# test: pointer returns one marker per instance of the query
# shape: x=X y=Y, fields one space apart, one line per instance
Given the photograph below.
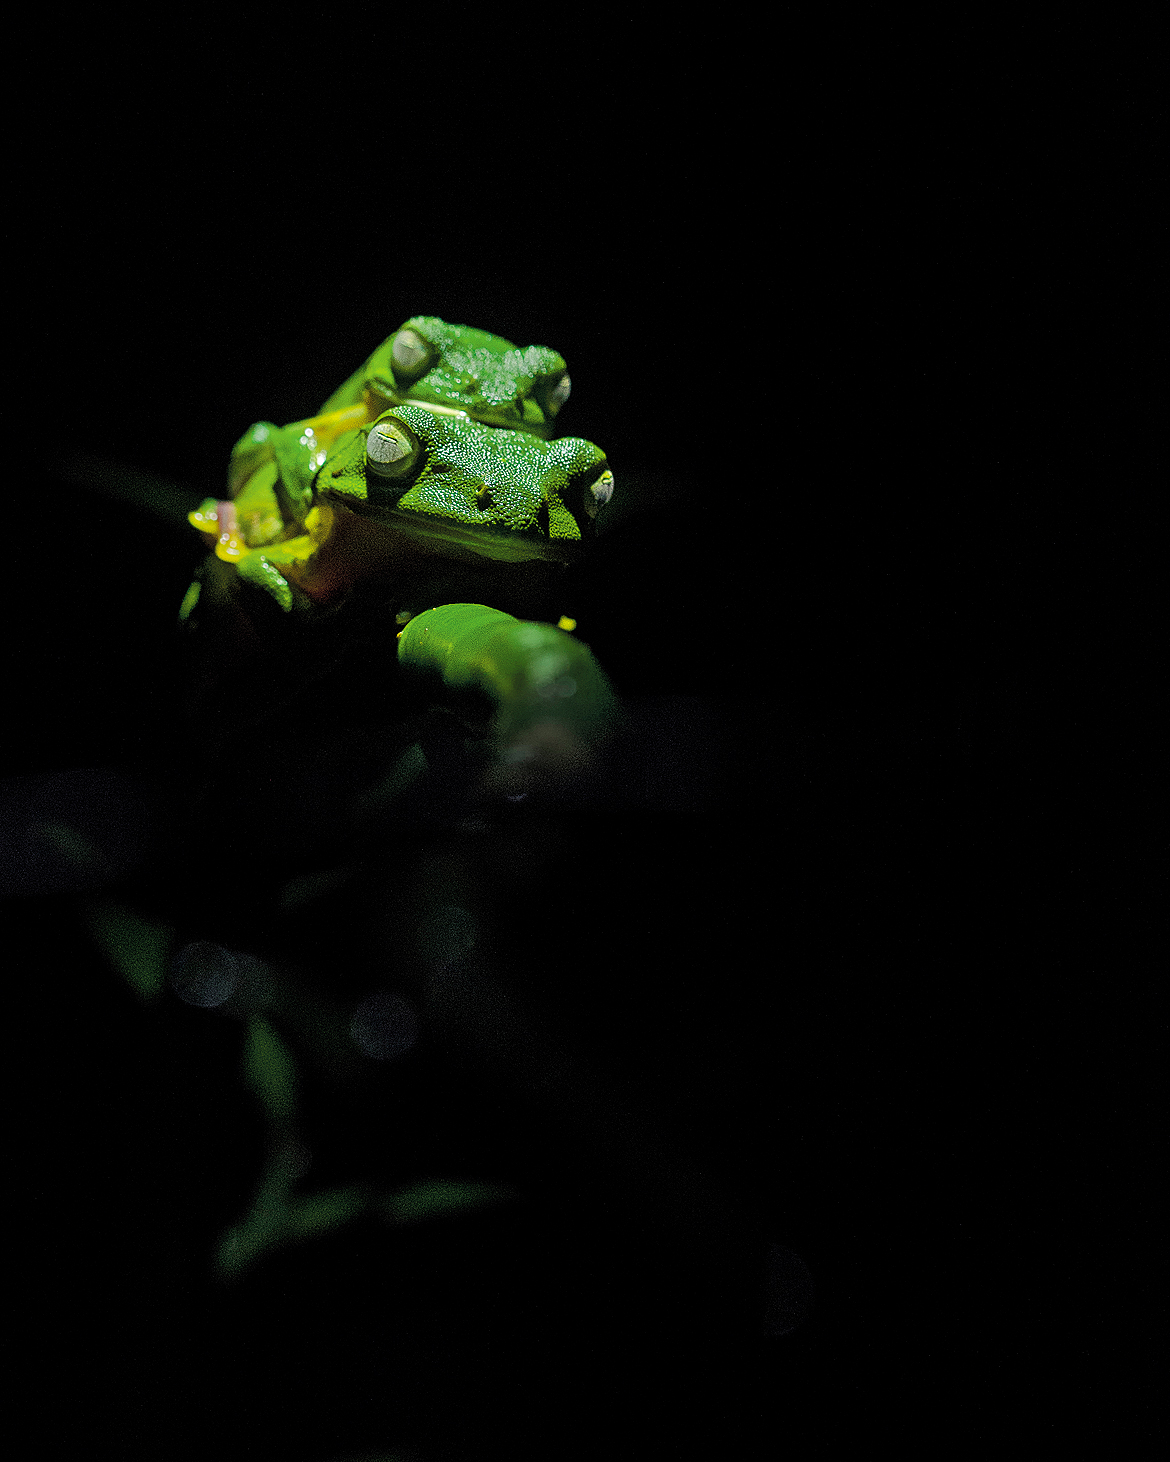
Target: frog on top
x=436 y=445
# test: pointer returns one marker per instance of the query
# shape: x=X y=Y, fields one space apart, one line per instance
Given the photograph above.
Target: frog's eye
x=393 y=452
x=553 y=392
x=598 y=493
x=412 y=356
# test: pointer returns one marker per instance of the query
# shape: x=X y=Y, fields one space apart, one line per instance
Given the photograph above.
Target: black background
x=822 y=306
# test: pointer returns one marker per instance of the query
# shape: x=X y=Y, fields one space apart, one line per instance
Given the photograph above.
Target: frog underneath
x=432 y=464
x=437 y=445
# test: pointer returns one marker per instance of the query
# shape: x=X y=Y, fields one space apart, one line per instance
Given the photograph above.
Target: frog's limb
x=270 y=476
x=550 y=702
x=292 y=454
x=258 y=569
x=271 y=568
x=333 y=424
x=296 y=457
x=258 y=512
x=270 y=562
x=250 y=453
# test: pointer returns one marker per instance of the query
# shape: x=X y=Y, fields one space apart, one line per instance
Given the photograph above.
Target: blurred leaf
x=278 y=1220
x=270 y=1070
x=276 y=1223
x=375 y=801
x=320 y=1212
x=440 y=1198
x=156 y=495
x=309 y=886
x=245 y=1242
x=72 y=846
x=137 y=948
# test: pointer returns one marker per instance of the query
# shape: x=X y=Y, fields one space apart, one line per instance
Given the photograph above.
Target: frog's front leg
x=275 y=465
x=268 y=565
x=550 y=704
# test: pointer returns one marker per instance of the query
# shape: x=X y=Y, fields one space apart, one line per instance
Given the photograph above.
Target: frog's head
x=456 y=368
x=504 y=495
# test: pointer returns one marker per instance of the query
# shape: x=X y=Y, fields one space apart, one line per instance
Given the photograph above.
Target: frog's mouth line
x=388 y=402
x=483 y=542
x=443 y=410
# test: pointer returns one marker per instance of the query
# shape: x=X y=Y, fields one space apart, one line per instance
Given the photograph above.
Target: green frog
x=432 y=472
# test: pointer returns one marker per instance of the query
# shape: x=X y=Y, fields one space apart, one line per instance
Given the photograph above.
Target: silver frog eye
x=559 y=394
x=598 y=493
x=410 y=353
x=390 y=450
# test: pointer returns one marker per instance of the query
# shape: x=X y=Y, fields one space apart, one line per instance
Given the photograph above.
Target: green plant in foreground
x=281 y=1213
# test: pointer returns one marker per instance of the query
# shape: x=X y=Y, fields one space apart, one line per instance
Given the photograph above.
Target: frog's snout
x=552 y=393
x=599 y=493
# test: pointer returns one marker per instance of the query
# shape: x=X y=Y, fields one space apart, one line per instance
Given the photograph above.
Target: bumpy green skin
x=467 y=370
x=458 y=369
x=504 y=494
x=458 y=461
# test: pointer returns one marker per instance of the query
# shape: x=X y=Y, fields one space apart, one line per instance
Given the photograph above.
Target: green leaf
x=138 y=948
x=245 y=1242
x=278 y=1221
x=72 y=847
x=375 y=801
x=274 y=1224
x=440 y=1198
x=269 y=1070
x=319 y=1212
x=309 y=886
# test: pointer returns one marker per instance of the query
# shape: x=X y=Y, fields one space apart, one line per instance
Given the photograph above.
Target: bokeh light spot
x=206 y=974
x=384 y=1026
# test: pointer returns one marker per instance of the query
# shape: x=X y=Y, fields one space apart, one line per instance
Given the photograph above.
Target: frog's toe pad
x=258 y=570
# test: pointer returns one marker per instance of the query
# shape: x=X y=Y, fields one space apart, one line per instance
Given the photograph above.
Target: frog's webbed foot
x=273 y=567
x=257 y=568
